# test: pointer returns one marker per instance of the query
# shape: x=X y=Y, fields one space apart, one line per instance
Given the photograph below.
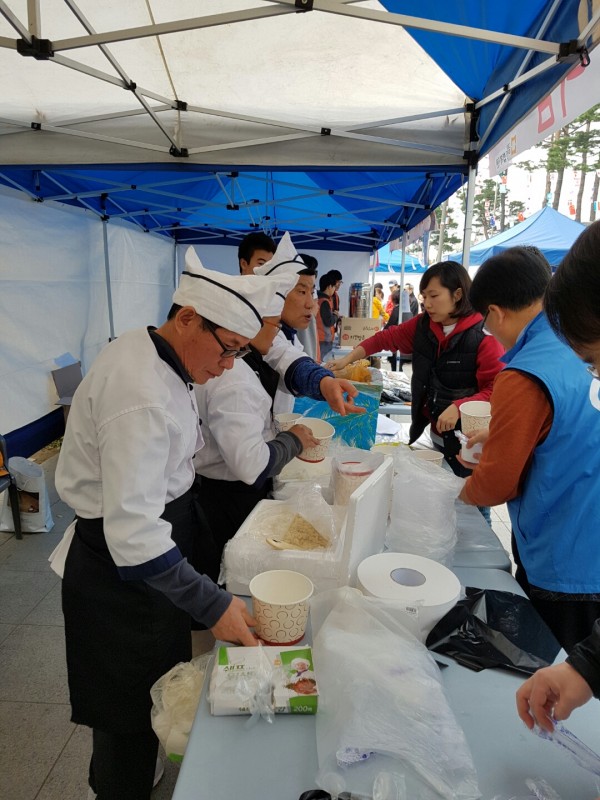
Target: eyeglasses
x=485 y=316
x=227 y=351
x=593 y=371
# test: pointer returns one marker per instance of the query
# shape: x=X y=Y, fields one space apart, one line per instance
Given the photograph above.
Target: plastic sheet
x=563 y=738
x=384 y=721
x=490 y=628
x=423 y=517
x=536 y=790
x=175 y=697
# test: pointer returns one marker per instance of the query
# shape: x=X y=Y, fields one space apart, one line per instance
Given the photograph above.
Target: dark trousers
x=570 y=621
x=123 y=765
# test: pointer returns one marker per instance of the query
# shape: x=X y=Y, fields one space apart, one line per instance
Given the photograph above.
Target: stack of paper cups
x=419 y=591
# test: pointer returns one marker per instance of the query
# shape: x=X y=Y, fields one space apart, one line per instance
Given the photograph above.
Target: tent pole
x=403 y=305
x=111 y=322
x=175 y=273
x=469 y=215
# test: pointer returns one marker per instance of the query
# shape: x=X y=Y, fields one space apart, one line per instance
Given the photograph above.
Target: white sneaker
x=159 y=771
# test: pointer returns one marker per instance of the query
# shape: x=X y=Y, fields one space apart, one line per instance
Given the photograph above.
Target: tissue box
x=238 y=669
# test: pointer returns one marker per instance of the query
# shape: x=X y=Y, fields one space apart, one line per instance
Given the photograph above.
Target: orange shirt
x=521 y=419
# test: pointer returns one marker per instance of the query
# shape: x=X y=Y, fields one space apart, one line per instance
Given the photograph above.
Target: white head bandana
x=283 y=284
x=234 y=302
x=285 y=260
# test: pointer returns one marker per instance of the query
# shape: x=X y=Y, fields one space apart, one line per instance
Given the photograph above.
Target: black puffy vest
x=437 y=381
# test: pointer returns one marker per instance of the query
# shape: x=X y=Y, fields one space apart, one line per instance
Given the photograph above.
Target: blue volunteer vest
x=556 y=520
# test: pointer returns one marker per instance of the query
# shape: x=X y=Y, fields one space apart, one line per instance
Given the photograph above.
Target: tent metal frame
x=31 y=34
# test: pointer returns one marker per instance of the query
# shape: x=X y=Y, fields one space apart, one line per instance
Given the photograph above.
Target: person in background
x=299 y=375
x=335 y=297
x=543 y=418
x=414 y=303
x=394 y=320
x=393 y=284
x=453 y=358
x=326 y=318
x=255 y=249
x=242 y=452
x=378 y=311
x=572 y=305
x=309 y=337
x=126 y=468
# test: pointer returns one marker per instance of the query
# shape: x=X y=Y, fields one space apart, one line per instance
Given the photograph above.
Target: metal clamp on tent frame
x=571 y=51
x=40 y=49
x=303 y=5
x=178 y=152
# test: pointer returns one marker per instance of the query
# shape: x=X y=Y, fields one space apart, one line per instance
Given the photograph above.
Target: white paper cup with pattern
x=475 y=415
x=283 y=422
x=280 y=605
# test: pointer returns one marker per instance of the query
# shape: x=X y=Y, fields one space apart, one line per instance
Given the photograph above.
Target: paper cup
x=429 y=455
x=321 y=430
x=283 y=422
x=475 y=415
x=280 y=605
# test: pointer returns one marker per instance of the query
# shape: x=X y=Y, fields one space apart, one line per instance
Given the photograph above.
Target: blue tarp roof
x=551 y=232
x=392 y=262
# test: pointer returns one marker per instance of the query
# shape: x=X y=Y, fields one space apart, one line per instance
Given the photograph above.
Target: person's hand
x=474 y=437
x=304 y=433
x=334 y=389
x=233 y=625
x=447 y=419
x=337 y=364
x=551 y=692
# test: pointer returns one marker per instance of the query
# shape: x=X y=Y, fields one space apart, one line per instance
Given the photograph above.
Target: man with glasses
x=542 y=453
x=126 y=468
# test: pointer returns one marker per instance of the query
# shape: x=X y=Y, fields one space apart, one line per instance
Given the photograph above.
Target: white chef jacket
x=236 y=420
x=280 y=357
x=128 y=450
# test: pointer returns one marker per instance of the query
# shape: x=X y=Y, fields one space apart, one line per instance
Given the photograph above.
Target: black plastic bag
x=495 y=629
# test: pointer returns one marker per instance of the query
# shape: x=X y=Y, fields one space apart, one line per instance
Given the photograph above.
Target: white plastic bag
x=36 y=516
x=175 y=698
x=423 y=517
x=383 y=713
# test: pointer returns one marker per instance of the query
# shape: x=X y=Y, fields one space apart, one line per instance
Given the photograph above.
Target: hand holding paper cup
x=324 y=432
x=475 y=416
x=280 y=605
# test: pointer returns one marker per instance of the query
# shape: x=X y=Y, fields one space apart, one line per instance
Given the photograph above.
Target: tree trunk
x=560 y=174
x=545 y=201
x=594 y=196
x=584 y=157
x=502 y=210
x=442 y=231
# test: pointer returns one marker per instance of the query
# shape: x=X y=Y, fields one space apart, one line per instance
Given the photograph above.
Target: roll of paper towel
x=417 y=590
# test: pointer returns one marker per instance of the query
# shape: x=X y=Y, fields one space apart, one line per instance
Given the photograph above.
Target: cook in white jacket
x=299 y=375
x=242 y=452
x=126 y=469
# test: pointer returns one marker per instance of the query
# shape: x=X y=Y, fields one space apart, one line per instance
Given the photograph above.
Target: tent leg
x=469 y=215
x=111 y=323
x=404 y=302
x=174 y=263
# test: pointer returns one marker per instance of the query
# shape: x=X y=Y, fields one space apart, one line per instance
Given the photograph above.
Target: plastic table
x=226 y=760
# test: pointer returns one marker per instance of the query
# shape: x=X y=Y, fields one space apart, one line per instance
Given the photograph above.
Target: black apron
x=121 y=636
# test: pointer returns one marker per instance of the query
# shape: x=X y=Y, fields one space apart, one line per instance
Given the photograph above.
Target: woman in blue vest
x=453 y=358
x=572 y=304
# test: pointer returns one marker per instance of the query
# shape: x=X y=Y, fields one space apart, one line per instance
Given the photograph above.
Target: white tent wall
x=353 y=266
x=53 y=295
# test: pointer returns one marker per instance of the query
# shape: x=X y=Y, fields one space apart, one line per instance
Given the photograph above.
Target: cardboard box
x=238 y=671
x=355 y=330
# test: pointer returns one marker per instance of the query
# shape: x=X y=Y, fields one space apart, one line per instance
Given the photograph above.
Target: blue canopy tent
x=200 y=129
x=551 y=232
x=391 y=262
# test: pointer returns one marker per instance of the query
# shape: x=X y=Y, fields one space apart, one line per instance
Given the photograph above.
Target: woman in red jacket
x=453 y=358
